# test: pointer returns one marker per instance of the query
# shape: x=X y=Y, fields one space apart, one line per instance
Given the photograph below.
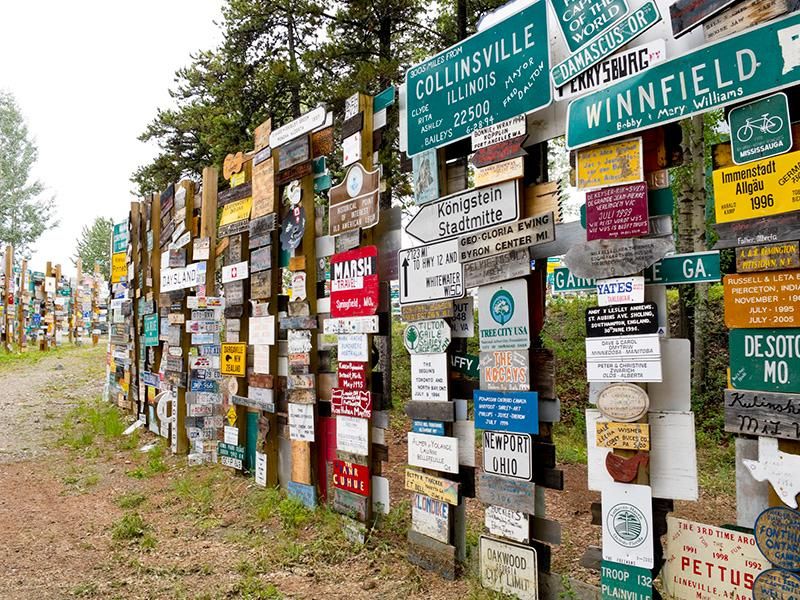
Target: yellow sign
x=119 y=267
x=237 y=178
x=502 y=171
x=610 y=164
x=236 y=211
x=233 y=360
x=231 y=415
x=758 y=189
x=437 y=488
x=623 y=436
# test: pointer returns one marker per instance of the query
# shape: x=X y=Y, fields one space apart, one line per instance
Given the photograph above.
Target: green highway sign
x=624 y=581
x=581 y=22
x=120 y=237
x=496 y=74
x=765 y=360
x=565 y=282
x=697 y=267
x=383 y=99
x=739 y=67
x=151 y=330
x=760 y=129
x=660 y=202
x=615 y=38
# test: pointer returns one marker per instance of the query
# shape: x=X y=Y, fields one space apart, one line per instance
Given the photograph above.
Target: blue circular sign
x=501 y=307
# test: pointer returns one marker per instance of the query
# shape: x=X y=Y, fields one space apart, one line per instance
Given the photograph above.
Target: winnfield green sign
x=739 y=67
x=496 y=74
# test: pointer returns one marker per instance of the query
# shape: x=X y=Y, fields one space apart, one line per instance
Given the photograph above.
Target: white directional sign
x=466 y=212
x=429 y=273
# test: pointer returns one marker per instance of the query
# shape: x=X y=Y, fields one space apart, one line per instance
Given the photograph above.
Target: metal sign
x=628 y=524
x=470 y=211
x=354 y=282
x=231 y=455
x=760 y=129
x=304 y=124
x=354 y=202
x=499 y=132
x=507 y=523
x=622 y=319
x=620 y=290
x=616 y=258
x=351 y=477
x=582 y=22
x=503 y=318
x=632 y=358
x=120 y=237
x=505 y=370
x=351 y=403
x=448 y=96
x=150 y=330
x=565 y=282
x=535 y=230
x=737 y=68
x=762 y=299
x=186 y=277
x=620 y=34
x=431 y=517
x=509 y=568
x=625 y=581
x=427 y=337
x=764 y=230
x=233 y=359
x=516 y=412
x=235 y=272
x=779 y=468
x=770 y=257
x=508 y=454
x=617 y=212
x=429 y=273
x=696 y=267
x=775 y=531
x=463 y=322
x=615 y=163
x=766 y=360
x=688 y=14
x=500 y=267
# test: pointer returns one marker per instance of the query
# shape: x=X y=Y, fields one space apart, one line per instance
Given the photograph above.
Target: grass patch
x=716 y=464
x=89 y=420
x=154 y=464
x=570 y=440
x=132 y=528
x=251 y=587
x=85 y=590
x=131 y=500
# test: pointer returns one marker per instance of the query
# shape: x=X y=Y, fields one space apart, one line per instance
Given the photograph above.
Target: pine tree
x=94 y=245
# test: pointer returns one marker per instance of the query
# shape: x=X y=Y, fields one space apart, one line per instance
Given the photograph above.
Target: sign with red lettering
x=351 y=403
x=618 y=211
x=351 y=477
x=353 y=376
x=354 y=282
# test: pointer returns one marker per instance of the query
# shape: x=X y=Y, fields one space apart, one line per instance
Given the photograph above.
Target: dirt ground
x=66 y=516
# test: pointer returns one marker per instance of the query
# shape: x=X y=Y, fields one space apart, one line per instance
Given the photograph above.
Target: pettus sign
x=354 y=282
x=503 y=316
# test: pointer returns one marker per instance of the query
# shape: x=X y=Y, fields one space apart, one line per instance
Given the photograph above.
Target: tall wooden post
x=8 y=302
x=21 y=294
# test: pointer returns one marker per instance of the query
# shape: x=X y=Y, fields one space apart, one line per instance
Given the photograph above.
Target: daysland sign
x=185 y=277
x=737 y=68
x=503 y=316
x=354 y=282
x=430 y=273
x=535 y=230
x=457 y=91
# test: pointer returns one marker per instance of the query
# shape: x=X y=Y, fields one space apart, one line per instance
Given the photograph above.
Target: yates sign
x=496 y=74
x=739 y=67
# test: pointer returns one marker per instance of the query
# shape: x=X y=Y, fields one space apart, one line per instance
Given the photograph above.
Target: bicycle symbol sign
x=760 y=129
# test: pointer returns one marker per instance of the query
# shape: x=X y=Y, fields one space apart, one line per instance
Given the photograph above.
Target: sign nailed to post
x=760 y=129
x=354 y=282
x=509 y=568
x=429 y=273
x=535 y=230
x=617 y=212
x=765 y=360
x=763 y=299
x=496 y=74
x=427 y=337
x=622 y=319
x=503 y=316
x=354 y=202
x=508 y=454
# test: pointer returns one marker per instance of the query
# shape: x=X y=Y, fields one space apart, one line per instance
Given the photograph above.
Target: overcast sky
x=88 y=76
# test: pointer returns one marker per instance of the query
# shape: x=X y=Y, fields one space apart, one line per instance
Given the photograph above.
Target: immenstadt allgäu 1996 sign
x=742 y=66
x=491 y=76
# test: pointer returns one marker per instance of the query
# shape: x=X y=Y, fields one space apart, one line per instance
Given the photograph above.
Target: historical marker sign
x=622 y=319
x=535 y=230
x=354 y=202
x=505 y=370
x=766 y=360
x=770 y=257
x=763 y=414
x=617 y=212
x=503 y=316
x=509 y=568
x=506 y=411
x=508 y=454
x=435 y=452
x=429 y=273
x=354 y=282
x=632 y=358
x=760 y=129
x=763 y=299
x=427 y=337
x=507 y=75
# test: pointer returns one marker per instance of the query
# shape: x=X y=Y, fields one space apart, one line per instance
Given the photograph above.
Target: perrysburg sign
x=737 y=68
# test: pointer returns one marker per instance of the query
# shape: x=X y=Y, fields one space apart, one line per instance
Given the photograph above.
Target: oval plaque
x=776 y=583
x=623 y=402
x=776 y=532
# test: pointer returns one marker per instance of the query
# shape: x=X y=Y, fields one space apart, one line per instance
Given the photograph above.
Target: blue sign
x=517 y=412
x=203 y=385
x=429 y=427
x=307 y=494
x=151 y=379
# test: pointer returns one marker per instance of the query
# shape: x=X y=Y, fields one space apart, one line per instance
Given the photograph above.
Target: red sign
x=351 y=404
x=353 y=376
x=617 y=212
x=354 y=282
x=351 y=477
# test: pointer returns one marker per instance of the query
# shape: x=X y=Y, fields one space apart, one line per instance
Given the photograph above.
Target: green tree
x=94 y=246
x=24 y=214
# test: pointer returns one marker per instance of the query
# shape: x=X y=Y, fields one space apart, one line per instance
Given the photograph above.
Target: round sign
x=776 y=532
x=623 y=402
x=293 y=192
x=355 y=181
x=232 y=385
x=776 y=583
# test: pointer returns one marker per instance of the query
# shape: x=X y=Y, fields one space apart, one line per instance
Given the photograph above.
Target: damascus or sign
x=622 y=319
x=615 y=258
x=351 y=403
x=427 y=337
x=470 y=211
x=354 y=202
x=354 y=282
x=507 y=370
x=695 y=267
x=628 y=524
x=737 y=68
x=507 y=523
x=763 y=299
x=498 y=132
x=770 y=257
x=508 y=454
x=617 y=212
x=351 y=477
x=776 y=532
x=760 y=129
x=765 y=360
x=509 y=568
x=433 y=452
x=763 y=413
x=581 y=22
x=503 y=316
x=624 y=402
x=496 y=74
x=516 y=412
x=616 y=163
x=538 y=229
x=429 y=273
x=430 y=517
x=632 y=358
x=435 y=487
x=758 y=189
x=623 y=436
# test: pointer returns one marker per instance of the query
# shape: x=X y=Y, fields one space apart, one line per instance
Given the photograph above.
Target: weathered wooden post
x=8 y=296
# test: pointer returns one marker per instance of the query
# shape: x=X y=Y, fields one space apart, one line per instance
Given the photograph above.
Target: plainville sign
x=538 y=229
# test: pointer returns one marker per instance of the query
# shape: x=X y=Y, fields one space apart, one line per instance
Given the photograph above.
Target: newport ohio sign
x=748 y=64
x=491 y=76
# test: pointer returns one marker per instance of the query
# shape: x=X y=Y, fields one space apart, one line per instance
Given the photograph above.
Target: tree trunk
x=461 y=18
x=295 y=82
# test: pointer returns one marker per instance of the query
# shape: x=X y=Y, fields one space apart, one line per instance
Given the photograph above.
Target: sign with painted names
x=769 y=257
x=505 y=370
x=427 y=337
x=532 y=231
x=631 y=358
x=763 y=413
x=438 y=488
x=617 y=212
x=304 y=124
x=615 y=163
x=516 y=412
x=435 y=452
x=769 y=299
x=430 y=273
x=429 y=377
x=351 y=403
x=498 y=132
x=622 y=319
x=507 y=523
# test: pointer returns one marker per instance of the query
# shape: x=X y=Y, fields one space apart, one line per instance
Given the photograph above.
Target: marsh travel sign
x=496 y=74
x=735 y=69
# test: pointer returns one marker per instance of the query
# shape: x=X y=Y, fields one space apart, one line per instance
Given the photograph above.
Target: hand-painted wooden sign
x=615 y=163
x=507 y=523
x=351 y=403
x=427 y=337
x=498 y=132
x=617 y=212
x=631 y=358
x=354 y=282
x=513 y=168
x=503 y=316
x=626 y=469
x=351 y=477
x=776 y=583
x=352 y=376
x=770 y=257
x=507 y=493
x=509 y=568
x=765 y=360
x=433 y=452
x=628 y=524
x=352 y=346
x=354 y=202
x=622 y=319
x=776 y=531
x=430 y=273
x=507 y=411
x=623 y=402
x=301 y=422
x=433 y=310
x=623 y=436
x=508 y=454
x=781 y=469
x=759 y=189
x=763 y=414
x=535 y=230
x=764 y=230
x=292 y=228
x=763 y=299
x=505 y=370
x=437 y=488
x=470 y=211
x=500 y=267
x=688 y=14
x=743 y=15
x=430 y=517
x=500 y=152
x=581 y=23
x=429 y=377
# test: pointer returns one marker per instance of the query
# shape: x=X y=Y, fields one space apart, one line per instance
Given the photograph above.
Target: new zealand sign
x=739 y=67
x=494 y=75
x=354 y=282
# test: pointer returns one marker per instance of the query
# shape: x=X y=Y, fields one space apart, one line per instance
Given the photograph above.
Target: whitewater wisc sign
x=354 y=282
x=758 y=60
